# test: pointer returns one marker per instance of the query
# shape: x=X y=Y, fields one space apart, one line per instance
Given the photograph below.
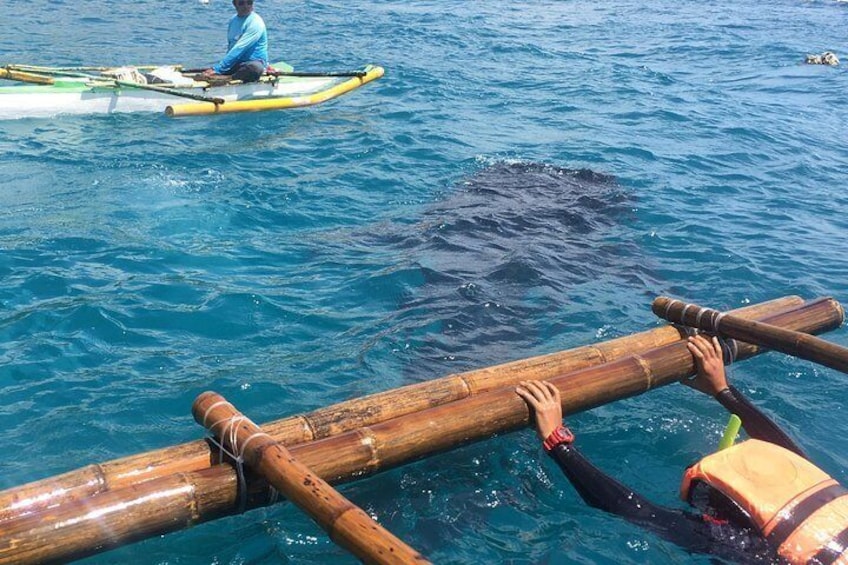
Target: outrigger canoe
x=40 y=92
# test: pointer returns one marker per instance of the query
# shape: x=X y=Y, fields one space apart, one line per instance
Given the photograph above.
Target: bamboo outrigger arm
x=80 y=528
x=345 y=522
x=99 y=478
x=799 y=344
x=373 y=73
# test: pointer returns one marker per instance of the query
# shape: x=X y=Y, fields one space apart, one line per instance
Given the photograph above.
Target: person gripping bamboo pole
x=347 y=524
x=795 y=343
x=85 y=527
x=339 y=418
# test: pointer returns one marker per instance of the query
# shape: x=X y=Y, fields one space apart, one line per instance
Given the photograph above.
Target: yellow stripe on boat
x=201 y=108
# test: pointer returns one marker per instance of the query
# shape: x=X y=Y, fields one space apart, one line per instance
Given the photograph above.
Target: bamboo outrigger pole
x=274 y=103
x=345 y=416
x=345 y=522
x=82 y=528
x=799 y=344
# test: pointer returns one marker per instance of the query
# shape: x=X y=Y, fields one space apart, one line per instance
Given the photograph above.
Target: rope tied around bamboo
x=347 y=524
x=231 y=448
x=795 y=343
x=729 y=347
x=679 y=315
x=81 y=527
x=324 y=422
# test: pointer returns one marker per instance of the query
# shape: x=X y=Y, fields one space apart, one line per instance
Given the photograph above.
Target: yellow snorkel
x=730 y=432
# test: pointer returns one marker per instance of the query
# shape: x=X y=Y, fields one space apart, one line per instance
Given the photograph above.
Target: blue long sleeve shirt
x=247 y=40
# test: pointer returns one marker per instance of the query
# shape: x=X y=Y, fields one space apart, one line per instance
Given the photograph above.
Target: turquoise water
x=423 y=225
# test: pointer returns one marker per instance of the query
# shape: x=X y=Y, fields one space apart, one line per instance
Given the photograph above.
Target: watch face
x=564 y=435
x=558 y=436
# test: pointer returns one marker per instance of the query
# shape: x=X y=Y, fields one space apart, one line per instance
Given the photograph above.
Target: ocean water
x=428 y=223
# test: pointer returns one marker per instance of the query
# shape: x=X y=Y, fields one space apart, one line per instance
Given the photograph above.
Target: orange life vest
x=795 y=505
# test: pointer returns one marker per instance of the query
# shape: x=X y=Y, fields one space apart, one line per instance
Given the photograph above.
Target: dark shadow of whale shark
x=487 y=272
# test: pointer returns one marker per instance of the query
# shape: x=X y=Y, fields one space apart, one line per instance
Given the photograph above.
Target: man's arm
x=712 y=380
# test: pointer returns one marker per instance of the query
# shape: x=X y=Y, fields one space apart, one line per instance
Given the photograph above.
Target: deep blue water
x=423 y=225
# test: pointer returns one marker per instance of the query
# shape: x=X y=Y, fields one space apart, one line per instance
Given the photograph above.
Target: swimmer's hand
x=711 y=378
x=545 y=400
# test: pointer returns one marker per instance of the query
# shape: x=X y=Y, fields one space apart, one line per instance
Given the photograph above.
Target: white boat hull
x=47 y=101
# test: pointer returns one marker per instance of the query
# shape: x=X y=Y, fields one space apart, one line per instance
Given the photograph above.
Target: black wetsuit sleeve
x=758 y=425
x=594 y=486
x=692 y=532
x=605 y=493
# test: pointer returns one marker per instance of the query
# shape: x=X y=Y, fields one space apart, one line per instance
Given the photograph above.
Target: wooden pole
x=71 y=530
x=345 y=522
x=794 y=343
x=172 y=91
x=82 y=528
x=37 y=69
x=25 y=77
x=345 y=416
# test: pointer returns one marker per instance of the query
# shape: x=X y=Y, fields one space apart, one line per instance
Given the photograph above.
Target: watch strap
x=559 y=436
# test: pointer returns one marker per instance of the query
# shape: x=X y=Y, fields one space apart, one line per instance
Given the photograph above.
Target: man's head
x=243 y=7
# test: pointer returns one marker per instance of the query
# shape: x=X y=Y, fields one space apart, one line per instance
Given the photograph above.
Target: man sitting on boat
x=247 y=46
x=759 y=501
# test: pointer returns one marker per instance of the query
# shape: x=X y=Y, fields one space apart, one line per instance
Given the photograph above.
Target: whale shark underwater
x=489 y=269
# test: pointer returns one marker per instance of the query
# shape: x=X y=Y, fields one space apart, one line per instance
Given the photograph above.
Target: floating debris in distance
x=826 y=58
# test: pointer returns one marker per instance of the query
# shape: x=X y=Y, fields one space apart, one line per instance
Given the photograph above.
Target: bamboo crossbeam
x=345 y=522
x=345 y=416
x=794 y=343
x=82 y=528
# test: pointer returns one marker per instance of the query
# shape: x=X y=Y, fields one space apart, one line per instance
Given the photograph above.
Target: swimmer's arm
x=756 y=424
x=689 y=531
x=595 y=487
x=711 y=379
